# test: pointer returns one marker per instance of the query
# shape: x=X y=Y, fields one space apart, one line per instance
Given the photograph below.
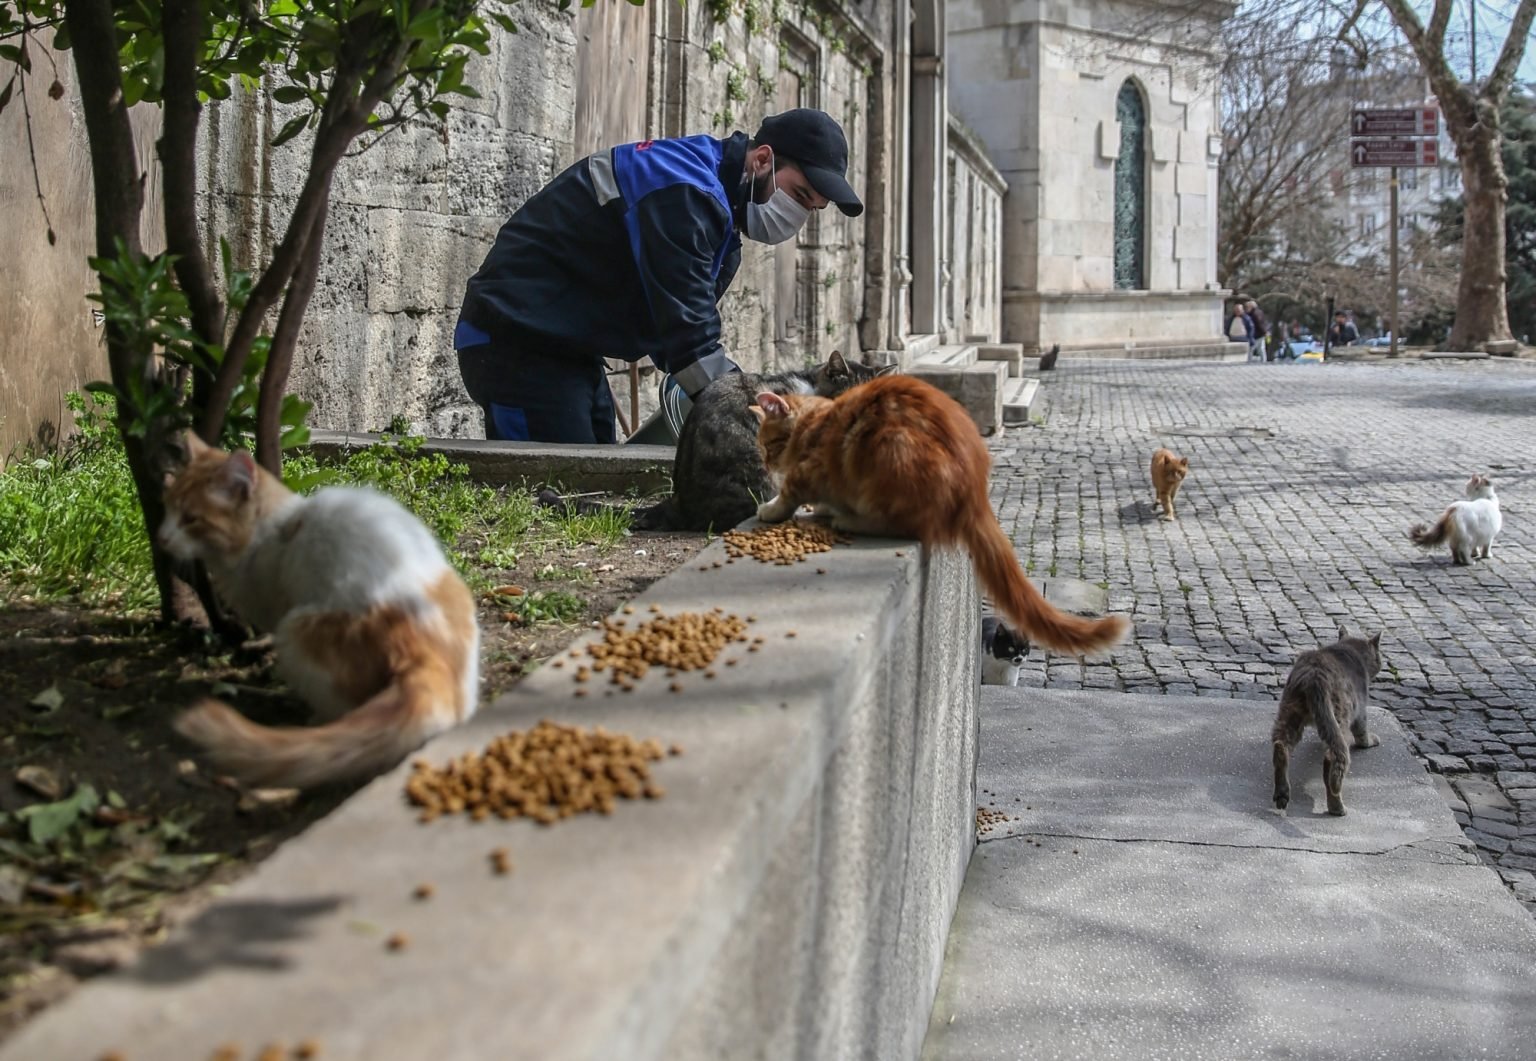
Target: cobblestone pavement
x=1303 y=482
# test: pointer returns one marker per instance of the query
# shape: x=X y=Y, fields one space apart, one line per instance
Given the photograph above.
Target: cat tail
x=1327 y=725
x=366 y=741
x=1017 y=598
x=1426 y=536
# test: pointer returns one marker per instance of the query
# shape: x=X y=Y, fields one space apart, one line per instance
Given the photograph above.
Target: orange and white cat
x=372 y=626
x=898 y=457
x=1168 y=472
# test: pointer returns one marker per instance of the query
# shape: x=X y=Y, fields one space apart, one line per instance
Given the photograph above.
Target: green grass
x=70 y=524
x=71 y=529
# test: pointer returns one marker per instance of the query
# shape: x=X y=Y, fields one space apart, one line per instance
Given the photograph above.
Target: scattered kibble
x=273 y=1052
x=501 y=861
x=307 y=1050
x=113 y=1055
x=398 y=942
x=782 y=543
x=676 y=687
x=227 y=1052
x=547 y=773
x=424 y=892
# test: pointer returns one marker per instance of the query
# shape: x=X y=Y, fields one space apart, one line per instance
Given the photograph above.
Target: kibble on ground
x=547 y=773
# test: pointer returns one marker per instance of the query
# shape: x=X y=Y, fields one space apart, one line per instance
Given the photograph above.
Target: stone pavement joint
x=1304 y=480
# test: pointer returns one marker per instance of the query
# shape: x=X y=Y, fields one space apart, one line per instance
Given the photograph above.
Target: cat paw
x=1282 y=802
x=1370 y=741
x=1336 y=807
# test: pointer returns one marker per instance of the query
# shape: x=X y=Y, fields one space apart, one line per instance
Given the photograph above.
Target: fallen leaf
x=50 y=699
x=13 y=883
x=507 y=591
x=186 y=768
x=117 y=711
x=512 y=617
x=40 y=780
x=47 y=821
x=605 y=567
x=114 y=676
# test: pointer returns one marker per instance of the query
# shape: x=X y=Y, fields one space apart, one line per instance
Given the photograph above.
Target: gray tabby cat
x=1328 y=688
x=718 y=477
x=1002 y=652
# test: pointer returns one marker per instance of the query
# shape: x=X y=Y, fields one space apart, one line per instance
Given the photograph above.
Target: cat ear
x=1376 y=640
x=1343 y=633
x=237 y=478
x=836 y=365
x=193 y=445
x=1184 y=463
x=886 y=370
x=770 y=406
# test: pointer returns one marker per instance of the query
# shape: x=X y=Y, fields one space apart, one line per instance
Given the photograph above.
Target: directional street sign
x=1403 y=121
x=1394 y=153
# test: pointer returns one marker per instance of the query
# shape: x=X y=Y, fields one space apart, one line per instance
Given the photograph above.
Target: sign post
x=1404 y=136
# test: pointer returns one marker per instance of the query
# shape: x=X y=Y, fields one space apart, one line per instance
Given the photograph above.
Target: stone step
x=950 y=355
x=1019 y=400
x=1134 y=895
x=977 y=385
x=1010 y=353
x=1212 y=351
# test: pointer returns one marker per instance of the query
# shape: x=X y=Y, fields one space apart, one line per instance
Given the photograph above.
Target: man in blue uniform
x=626 y=254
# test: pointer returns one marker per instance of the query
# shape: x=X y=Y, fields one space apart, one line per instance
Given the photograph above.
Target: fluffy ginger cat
x=897 y=457
x=1168 y=472
x=1469 y=526
x=372 y=626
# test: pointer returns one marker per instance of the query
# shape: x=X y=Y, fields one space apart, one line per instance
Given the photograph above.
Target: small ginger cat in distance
x=1168 y=472
x=897 y=457
x=373 y=627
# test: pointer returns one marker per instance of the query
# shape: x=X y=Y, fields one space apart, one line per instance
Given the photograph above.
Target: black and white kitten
x=1002 y=652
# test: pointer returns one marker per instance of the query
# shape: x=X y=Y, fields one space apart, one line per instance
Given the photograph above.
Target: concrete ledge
x=789 y=897
x=617 y=469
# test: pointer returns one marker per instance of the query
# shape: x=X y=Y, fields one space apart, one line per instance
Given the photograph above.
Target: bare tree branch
x=1503 y=75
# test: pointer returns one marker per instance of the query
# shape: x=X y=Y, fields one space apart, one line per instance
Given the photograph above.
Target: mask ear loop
x=755 y=178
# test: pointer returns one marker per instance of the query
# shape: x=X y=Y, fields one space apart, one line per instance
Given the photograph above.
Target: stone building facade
x=1101 y=116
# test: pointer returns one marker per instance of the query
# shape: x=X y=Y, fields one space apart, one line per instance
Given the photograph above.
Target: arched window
x=1131 y=191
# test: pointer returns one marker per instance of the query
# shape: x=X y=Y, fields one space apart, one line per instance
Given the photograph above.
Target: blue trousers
x=533 y=395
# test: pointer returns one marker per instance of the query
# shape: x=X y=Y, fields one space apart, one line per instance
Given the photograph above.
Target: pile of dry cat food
x=989 y=818
x=548 y=773
x=783 y=543
x=686 y=641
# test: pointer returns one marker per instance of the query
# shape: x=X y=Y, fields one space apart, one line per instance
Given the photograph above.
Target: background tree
x=1518 y=121
x=187 y=339
x=1472 y=114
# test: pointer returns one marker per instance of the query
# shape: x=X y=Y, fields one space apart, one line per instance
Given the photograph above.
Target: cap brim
x=835 y=188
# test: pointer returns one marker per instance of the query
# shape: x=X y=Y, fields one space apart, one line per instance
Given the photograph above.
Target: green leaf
x=5 y=93
x=290 y=94
x=293 y=127
x=48 y=821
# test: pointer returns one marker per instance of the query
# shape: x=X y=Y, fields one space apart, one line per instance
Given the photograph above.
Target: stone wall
x=50 y=342
x=973 y=284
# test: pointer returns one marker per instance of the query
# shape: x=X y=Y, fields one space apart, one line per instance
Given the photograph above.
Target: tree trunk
x=1482 y=315
x=119 y=193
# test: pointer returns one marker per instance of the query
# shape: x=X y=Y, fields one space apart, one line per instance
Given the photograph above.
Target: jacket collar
x=733 y=160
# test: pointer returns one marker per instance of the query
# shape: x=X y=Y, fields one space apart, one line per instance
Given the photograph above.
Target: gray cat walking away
x=1328 y=688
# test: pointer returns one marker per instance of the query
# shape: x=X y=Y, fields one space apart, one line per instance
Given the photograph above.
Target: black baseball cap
x=815 y=142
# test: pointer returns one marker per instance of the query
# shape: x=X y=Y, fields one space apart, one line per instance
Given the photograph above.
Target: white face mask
x=778 y=219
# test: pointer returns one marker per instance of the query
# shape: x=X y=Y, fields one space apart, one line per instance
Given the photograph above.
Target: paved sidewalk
x=1142 y=900
x=1303 y=482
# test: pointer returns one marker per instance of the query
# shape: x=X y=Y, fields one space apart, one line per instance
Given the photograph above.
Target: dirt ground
x=135 y=836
